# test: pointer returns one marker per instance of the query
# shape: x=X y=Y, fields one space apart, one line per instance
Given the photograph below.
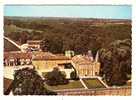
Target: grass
x=93 y=83
x=90 y=83
x=70 y=85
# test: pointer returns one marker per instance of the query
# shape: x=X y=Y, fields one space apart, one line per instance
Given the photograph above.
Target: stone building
x=86 y=66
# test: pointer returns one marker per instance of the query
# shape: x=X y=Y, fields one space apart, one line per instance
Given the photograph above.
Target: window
x=96 y=73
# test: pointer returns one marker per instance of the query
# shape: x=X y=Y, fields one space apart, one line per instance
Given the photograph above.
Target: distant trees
x=20 y=37
x=56 y=77
x=116 y=62
x=66 y=34
x=54 y=45
x=28 y=82
x=44 y=45
x=23 y=37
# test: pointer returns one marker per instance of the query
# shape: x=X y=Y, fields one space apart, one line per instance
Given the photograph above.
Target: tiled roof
x=35 y=56
x=48 y=56
x=79 y=59
x=19 y=55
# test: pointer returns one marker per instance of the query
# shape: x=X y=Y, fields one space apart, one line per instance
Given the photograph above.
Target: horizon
x=96 y=12
x=66 y=17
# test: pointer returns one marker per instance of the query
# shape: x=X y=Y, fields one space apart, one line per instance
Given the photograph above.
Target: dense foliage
x=73 y=75
x=28 y=82
x=60 y=34
x=56 y=77
x=116 y=62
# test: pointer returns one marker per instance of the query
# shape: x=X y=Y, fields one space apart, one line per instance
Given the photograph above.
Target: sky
x=97 y=11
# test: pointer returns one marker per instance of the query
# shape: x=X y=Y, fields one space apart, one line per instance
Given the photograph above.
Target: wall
x=48 y=65
x=88 y=69
x=123 y=91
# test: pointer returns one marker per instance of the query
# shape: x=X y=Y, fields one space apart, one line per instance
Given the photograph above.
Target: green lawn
x=93 y=83
x=90 y=83
x=70 y=85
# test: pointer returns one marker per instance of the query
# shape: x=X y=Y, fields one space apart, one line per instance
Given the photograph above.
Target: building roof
x=79 y=59
x=17 y=55
x=48 y=56
x=32 y=42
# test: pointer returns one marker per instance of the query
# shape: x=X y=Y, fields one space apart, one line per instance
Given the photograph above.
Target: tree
x=44 y=45
x=116 y=62
x=23 y=37
x=55 y=77
x=28 y=82
x=73 y=75
x=54 y=45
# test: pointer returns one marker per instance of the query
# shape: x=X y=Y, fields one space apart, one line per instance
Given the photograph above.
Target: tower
x=97 y=57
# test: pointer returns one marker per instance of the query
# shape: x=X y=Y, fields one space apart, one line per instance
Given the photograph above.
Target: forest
x=60 y=34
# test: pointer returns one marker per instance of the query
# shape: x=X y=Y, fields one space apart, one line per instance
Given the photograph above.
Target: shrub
x=73 y=75
x=56 y=77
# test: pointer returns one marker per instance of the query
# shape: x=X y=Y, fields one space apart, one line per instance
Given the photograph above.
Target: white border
x=1 y=48
x=85 y=2
x=134 y=49
x=67 y=1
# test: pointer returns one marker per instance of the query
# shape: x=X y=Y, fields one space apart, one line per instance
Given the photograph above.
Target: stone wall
x=122 y=91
